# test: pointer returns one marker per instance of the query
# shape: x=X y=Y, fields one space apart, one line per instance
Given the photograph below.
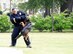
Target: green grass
x=42 y=43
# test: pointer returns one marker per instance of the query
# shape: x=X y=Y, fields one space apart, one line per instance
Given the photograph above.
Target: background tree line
x=47 y=5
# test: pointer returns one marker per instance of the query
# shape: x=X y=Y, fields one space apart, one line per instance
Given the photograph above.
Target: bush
x=61 y=22
x=71 y=20
x=4 y=23
x=48 y=23
x=41 y=23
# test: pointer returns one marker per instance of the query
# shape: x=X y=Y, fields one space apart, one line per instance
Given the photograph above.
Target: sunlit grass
x=42 y=43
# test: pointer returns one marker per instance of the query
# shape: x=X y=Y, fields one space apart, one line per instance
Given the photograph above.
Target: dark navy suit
x=19 y=17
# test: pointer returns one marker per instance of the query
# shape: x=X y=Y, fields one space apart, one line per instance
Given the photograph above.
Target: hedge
x=61 y=22
x=4 y=23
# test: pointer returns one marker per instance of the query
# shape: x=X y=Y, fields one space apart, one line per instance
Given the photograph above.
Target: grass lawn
x=42 y=43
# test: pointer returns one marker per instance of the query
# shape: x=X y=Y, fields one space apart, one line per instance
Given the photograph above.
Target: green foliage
x=71 y=20
x=23 y=6
x=43 y=3
x=4 y=23
x=48 y=23
x=60 y=22
x=36 y=4
x=41 y=23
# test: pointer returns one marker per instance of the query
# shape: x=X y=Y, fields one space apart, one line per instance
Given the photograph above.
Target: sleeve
x=11 y=19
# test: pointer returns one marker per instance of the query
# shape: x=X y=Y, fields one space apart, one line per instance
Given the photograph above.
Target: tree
x=45 y=4
x=67 y=5
x=22 y=6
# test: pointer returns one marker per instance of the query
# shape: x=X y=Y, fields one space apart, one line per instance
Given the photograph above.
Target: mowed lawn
x=42 y=43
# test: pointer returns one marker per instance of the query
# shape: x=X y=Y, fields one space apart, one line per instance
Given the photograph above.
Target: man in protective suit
x=17 y=18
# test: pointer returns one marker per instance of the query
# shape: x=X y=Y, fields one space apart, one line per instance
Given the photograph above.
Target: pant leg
x=15 y=33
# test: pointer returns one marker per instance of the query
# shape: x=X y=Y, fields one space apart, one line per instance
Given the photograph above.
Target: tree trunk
x=31 y=11
x=67 y=5
x=47 y=12
x=10 y=5
x=70 y=4
x=63 y=7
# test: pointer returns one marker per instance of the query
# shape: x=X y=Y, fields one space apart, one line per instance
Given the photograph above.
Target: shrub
x=71 y=20
x=41 y=23
x=4 y=23
x=61 y=22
